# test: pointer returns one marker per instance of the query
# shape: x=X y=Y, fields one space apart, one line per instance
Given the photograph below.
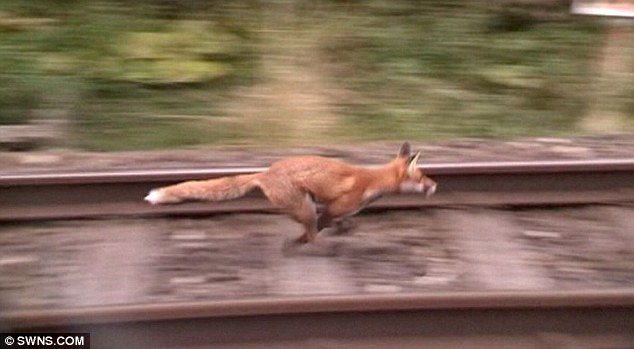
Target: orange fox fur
x=295 y=185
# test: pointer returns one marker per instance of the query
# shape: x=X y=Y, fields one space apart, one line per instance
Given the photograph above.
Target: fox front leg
x=341 y=225
x=324 y=221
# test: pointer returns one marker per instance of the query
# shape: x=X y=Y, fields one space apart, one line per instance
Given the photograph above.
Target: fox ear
x=405 y=150
x=412 y=163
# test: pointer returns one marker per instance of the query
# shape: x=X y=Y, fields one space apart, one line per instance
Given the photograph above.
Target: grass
x=458 y=77
x=150 y=75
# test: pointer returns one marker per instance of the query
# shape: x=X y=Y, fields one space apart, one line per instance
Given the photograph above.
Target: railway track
x=82 y=195
x=460 y=320
x=496 y=319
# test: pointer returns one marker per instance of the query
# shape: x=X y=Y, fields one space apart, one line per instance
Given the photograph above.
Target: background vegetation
x=150 y=74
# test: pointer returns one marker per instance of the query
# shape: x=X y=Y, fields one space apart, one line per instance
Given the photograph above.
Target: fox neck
x=382 y=180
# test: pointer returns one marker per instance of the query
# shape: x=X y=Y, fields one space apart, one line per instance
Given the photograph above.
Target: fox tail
x=219 y=189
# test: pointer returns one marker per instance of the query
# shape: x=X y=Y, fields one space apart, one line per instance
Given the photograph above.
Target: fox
x=297 y=185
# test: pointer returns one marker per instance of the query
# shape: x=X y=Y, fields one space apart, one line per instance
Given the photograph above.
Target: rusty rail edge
x=458 y=301
x=99 y=194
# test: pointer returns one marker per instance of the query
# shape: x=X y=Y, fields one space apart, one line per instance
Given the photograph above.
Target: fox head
x=413 y=180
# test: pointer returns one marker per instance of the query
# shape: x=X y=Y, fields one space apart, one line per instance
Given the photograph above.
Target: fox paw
x=344 y=226
x=315 y=248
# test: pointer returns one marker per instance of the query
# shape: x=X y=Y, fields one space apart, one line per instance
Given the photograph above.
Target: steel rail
x=421 y=316
x=93 y=194
x=461 y=168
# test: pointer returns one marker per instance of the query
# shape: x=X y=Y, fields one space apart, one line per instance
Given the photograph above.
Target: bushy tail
x=219 y=189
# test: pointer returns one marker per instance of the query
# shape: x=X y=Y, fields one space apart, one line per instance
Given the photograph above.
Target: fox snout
x=426 y=186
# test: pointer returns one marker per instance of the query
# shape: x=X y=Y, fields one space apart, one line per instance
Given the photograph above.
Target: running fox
x=297 y=184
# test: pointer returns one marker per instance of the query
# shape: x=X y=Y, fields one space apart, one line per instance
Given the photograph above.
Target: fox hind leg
x=306 y=214
x=300 y=206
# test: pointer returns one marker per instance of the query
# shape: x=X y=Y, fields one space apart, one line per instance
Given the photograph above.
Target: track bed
x=64 y=264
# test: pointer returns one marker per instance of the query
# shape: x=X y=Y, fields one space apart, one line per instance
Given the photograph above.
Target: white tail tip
x=154 y=197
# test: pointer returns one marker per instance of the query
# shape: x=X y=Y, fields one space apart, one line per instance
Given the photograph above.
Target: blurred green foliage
x=152 y=74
